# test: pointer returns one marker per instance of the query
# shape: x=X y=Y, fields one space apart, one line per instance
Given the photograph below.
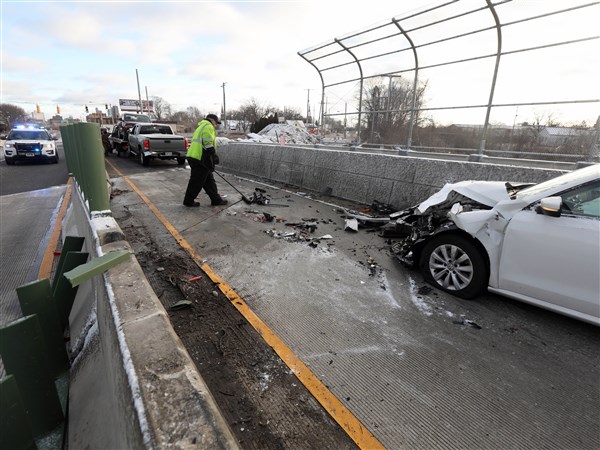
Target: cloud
x=21 y=64
x=184 y=51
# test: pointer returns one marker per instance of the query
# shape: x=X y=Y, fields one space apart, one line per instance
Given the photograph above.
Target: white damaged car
x=536 y=243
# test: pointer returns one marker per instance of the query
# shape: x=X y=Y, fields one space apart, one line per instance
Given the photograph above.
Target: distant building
x=58 y=121
x=38 y=117
x=100 y=118
x=555 y=136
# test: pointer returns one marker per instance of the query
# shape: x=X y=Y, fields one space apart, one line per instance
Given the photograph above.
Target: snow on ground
x=277 y=133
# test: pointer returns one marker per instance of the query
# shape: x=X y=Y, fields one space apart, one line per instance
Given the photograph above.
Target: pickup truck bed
x=156 y=141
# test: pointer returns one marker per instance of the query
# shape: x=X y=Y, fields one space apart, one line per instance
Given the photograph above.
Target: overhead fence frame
x=317 y=57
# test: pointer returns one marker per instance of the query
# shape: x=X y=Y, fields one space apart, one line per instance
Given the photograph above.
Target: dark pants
x=200 y=177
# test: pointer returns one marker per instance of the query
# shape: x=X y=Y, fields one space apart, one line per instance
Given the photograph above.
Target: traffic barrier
x=363 y=177
x=126 y=359
x=84 y=153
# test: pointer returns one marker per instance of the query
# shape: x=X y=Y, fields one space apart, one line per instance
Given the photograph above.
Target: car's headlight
x=49 y=146
x=8 y=145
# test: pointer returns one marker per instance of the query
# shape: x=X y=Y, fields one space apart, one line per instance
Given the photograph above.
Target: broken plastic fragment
x=191 y=280
x=351 y=225
x=181 y=305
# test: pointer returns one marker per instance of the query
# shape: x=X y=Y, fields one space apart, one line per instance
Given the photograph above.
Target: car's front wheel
x=10 y=161
x=454 y=264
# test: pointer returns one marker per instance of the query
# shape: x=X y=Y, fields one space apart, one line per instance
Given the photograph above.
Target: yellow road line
x=336 y=409
x=48 y=259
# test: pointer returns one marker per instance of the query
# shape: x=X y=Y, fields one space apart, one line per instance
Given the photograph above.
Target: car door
x=556 y=259
x=132 y=139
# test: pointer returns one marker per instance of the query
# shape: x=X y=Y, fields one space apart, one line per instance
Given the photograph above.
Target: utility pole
x=139 y=92
x=307 y=106
x=345 y=114
x=147 y=102
x=512 y=131
x=224 y=108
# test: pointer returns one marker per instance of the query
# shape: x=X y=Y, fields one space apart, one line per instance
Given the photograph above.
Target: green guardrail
x=84 y=154
x=34 y=393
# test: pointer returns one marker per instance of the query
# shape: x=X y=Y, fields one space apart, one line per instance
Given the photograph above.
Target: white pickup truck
x=154 y=140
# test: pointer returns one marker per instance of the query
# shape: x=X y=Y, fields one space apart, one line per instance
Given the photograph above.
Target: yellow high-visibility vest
x=204 y=136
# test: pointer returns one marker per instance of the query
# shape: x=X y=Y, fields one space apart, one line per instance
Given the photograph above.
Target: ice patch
x=418 y=302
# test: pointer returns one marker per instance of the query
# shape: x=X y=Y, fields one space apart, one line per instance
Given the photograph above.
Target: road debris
x=467 y=322
x=351 y=225
x=181 y=304
x=310 y=226
x=372 y=266
x=260 y=197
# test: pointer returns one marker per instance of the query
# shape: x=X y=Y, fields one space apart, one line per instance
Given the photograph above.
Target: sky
x=77 y=53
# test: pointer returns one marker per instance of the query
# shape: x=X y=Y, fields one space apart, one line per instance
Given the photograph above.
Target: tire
x=10 y=161
x=454 y=264
x=143 y=160
x=181 y=161
x=55 y=160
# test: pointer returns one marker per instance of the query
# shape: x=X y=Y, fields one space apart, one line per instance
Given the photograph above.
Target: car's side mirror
x=3 y=137
x=550 y=206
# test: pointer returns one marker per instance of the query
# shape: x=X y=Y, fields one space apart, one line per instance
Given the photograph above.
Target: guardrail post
x=92 y=163
x=85 y=159
x=24 y=355
x=15 y=429
x=71 y=244
x=64 y=294
x=36 y=298
x=66 y=133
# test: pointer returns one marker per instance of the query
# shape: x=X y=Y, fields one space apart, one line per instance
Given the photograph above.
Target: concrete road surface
x=419 y=368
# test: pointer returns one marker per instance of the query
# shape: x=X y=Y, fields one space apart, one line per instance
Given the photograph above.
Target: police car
x=29 y=143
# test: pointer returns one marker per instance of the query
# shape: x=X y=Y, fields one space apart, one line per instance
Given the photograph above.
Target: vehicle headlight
x=9 y=146
x=49 y=146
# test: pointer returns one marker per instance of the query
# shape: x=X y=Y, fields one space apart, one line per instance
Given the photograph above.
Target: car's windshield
x=567 y=178
x=33 y=135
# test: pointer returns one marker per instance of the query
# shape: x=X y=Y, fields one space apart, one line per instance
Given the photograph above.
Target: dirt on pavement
x=262 y=400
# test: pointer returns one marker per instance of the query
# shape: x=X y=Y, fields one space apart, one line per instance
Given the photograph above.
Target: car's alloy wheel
x=454 y=264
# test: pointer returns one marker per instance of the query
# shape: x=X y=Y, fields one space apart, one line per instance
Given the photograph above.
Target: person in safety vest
x=202 y=157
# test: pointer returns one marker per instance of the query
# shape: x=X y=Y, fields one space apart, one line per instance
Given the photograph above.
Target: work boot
x=220 y=202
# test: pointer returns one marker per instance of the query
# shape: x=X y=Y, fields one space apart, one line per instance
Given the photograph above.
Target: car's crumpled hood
x=488 y=193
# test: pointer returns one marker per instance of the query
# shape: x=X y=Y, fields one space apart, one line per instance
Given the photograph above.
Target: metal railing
x=381 y=51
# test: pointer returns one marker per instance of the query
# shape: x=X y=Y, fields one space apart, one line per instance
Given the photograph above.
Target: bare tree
x=253 y=110
x=291 y=113
x=195 y=114
x=162 y=108
x=388 y=105
x=10 y=114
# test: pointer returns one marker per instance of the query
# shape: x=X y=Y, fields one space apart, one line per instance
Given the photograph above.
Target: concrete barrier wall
x=364 y=177
x=132 y=383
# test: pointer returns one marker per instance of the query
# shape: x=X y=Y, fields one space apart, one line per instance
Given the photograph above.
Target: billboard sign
x=134 y=105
